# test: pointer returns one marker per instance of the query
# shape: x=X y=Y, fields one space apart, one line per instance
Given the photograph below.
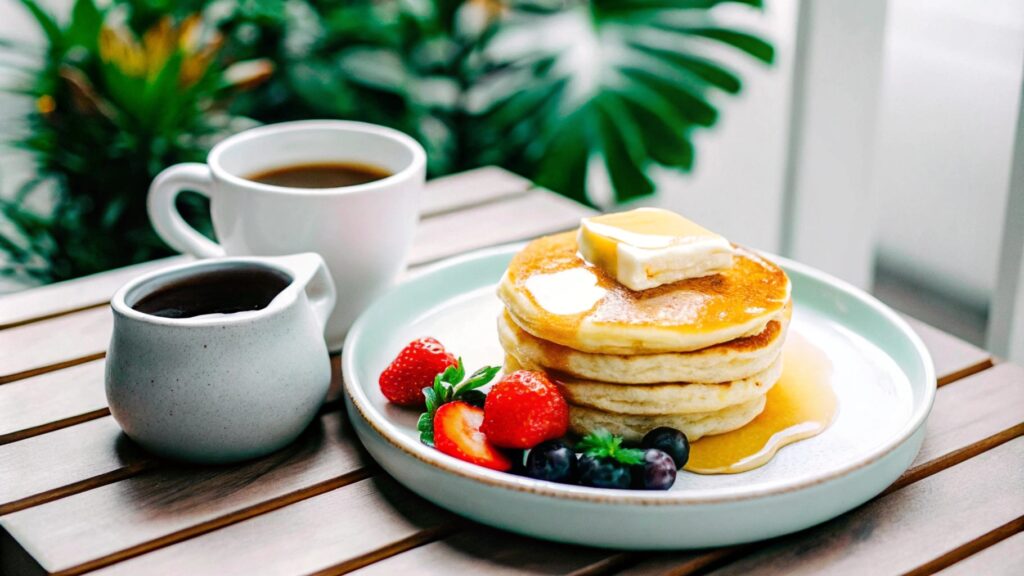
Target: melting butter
x=567 y=292
x=802 y=404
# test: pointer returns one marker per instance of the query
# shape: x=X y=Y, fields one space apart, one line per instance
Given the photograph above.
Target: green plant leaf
x=84 y=26
x=631 y=88
x=47 y=23
x=752 y=45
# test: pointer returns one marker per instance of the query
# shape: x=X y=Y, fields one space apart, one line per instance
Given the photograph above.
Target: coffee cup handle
x=164 y=215
x=311 y=275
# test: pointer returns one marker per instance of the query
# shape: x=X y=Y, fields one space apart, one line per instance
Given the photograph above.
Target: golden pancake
x=632 y=427
x=682 y=398
x=723 y=362
x=553 y=294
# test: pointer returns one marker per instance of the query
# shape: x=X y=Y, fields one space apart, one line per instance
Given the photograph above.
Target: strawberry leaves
x=602 y=444
x=449 y=386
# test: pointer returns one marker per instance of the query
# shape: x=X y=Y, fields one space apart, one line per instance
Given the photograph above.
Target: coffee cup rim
x=283 y=300
x=414 y=167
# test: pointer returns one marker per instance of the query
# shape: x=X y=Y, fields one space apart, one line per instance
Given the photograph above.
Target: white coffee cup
x=363 y=231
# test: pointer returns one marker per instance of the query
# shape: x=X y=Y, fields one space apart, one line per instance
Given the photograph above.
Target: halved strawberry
x=457 y=433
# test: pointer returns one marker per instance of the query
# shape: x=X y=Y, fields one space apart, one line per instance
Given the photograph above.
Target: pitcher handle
x=311 y=275
x=163 y=212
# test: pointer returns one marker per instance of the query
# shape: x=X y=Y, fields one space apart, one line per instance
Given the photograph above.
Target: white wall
x=736 y=187
x=951 y=88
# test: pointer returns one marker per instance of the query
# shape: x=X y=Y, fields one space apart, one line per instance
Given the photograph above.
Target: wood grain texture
x=66 y=461
x=928 y=522
x=485 y=550
x=50 y=401
x=969 y=417
x=349 y=527
x=173 y=502
x=953 y=358
x=517 y=218
x=1004 y=558
x=63 y=297
x=52 y=344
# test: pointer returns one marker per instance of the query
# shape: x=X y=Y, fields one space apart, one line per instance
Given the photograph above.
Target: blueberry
x=552 y=460
x=656 y=472
x=670 y=441
x=603 y=473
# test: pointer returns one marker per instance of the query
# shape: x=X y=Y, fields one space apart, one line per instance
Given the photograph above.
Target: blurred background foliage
x=549 y=89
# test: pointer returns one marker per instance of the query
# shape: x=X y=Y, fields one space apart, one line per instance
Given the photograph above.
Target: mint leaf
x=603 y=444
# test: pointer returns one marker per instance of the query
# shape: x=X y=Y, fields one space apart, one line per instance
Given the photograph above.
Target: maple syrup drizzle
x=802 y=404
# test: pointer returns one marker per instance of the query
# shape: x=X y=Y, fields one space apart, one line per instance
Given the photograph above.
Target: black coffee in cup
x=325 y=175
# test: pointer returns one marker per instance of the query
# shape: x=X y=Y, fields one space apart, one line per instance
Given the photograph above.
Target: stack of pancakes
x=698 y=355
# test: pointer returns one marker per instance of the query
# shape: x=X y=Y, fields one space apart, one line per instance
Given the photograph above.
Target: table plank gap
x=53 y=425
x=411 y=542
x=685 y=563
x=470 y=189
x=1002 y=558
x=357 y=521
x=973 y=547
x=227 y=520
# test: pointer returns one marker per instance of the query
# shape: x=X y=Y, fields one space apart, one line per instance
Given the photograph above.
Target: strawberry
x=403 y=381
x=524 y=409
x=457 y=433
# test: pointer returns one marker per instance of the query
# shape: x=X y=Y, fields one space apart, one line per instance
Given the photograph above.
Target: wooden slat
x=488 y=551
x=345 y=528
x=81 y=293
x=1004 y=558
x=441 y=195
x=52 y=344
x=173 y=502
x=54 y=400
x=925 y=526
x=66 y=461
x=519 y=218
x=970 y=416
x=953 y=358
x=473 y=188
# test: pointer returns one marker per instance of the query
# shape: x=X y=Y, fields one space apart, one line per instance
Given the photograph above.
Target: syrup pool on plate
x=802 y=404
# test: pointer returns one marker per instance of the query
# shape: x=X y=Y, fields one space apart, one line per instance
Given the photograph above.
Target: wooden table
x=77 y=497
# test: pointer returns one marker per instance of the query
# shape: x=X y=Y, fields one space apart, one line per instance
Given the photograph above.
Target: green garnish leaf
x=449 y=386
x=426 y=427
x=603 y=444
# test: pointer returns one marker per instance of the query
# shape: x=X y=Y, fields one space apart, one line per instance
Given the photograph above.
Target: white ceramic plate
x=883 y=378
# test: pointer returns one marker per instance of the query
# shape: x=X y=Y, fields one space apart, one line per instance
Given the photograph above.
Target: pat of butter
x=648 y=247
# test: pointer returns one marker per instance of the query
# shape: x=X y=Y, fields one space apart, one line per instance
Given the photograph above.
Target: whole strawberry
x=403 y=381
x=524 y=409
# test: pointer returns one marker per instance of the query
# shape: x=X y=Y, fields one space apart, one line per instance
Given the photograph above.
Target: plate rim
x=357 y=399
